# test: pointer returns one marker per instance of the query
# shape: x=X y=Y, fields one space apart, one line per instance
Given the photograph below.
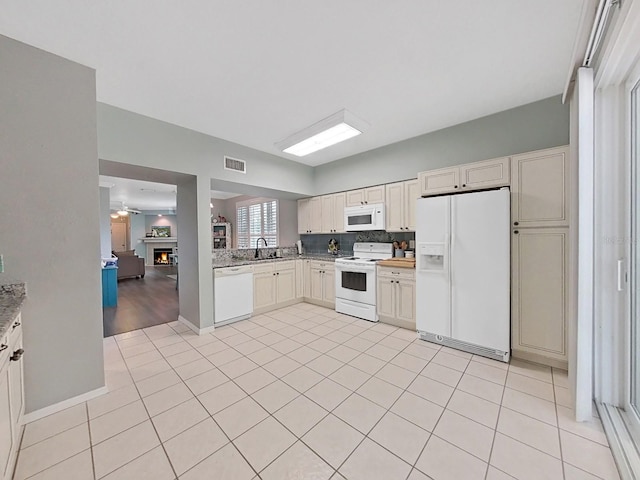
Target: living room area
x=139 y=235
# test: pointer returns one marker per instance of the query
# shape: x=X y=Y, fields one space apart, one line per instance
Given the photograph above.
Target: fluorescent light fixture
x=334 y=129
x=159 y=214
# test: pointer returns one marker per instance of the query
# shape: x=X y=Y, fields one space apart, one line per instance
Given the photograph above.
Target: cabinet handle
x=455 y=186
x=391 y=281
x=16 y=355
x=516 y=232
x=15 y=325
x=3 y=347
x=397 y=281
x=278 y=273
x=516 y=223
x=464 y=184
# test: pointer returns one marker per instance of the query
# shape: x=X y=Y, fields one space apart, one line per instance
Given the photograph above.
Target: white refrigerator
x=463 y=272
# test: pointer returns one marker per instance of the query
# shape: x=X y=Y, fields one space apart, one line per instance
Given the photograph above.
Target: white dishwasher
x=232 y=294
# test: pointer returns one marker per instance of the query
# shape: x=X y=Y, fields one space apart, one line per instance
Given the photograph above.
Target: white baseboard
x=58 y=407
x=199 y=331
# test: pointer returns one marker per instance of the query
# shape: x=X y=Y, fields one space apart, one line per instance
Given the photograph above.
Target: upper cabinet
x=333 y=213
x=365 y=196
x=472 y=176
x=310 y=215
x=400 y=203
x=540 y=188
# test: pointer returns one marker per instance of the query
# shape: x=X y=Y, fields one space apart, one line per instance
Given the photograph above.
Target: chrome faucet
x=257 y=242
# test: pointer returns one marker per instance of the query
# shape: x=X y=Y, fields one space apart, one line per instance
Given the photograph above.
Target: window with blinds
x=255 y=220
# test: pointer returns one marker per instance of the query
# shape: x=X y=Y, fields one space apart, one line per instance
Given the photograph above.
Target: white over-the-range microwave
x=364 y=217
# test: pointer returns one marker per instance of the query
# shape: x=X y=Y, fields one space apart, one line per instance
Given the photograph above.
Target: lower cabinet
x=299 y=278
x=396 y=297
x=274 y=285
x=539 y=301
x=11 y=398
x=322 y=283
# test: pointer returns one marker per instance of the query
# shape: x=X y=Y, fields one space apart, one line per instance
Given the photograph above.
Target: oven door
x=356 y=283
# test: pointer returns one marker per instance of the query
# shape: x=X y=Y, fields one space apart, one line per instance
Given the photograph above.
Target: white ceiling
x=255 y=71
x=141 y=195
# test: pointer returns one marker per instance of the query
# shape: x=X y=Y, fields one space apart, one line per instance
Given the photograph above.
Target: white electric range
x=356 y=280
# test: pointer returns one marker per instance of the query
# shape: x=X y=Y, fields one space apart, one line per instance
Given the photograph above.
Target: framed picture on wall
x=160 y=231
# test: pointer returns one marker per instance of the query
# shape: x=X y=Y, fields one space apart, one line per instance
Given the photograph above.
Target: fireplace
x=161 y=256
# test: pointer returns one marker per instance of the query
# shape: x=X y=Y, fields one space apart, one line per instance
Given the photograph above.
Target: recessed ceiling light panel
x=334 y=129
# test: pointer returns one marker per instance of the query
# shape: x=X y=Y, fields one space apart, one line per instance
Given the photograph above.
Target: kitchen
x=410 y=211
x=130 y=137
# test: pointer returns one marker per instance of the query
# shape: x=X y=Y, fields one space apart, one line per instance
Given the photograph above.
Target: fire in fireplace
x=161 y=256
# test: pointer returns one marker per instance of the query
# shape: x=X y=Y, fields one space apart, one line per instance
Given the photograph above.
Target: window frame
x=249 y=203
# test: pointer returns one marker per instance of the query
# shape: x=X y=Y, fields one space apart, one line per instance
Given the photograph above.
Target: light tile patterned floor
x=306 y=393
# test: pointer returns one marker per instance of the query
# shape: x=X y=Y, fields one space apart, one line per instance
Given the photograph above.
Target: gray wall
x=288 y=223
x=131 y=138
x=49 y=169
x=538 y=125
x=105 y=223
x=138 y=230
x=164 y=220
x=194 y=250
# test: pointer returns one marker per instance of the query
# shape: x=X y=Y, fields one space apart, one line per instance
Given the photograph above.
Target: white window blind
x=255 y=220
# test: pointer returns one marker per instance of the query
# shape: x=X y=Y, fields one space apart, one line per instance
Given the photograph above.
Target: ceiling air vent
x=235 y=165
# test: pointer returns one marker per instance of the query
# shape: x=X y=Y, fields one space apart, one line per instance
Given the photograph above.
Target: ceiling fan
x=124 y=211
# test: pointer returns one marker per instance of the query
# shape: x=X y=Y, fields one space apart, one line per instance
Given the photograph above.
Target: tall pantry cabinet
x=542 y=193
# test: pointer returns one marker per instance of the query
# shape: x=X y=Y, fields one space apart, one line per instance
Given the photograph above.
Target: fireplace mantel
x=160 y=239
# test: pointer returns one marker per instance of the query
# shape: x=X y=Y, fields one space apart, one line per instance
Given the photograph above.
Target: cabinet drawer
x=15 y=330
x=322 y=265
x=285 y=265
x=390 y=272
x=264 y=267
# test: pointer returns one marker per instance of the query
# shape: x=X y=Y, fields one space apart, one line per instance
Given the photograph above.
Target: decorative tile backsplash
x=318 y=243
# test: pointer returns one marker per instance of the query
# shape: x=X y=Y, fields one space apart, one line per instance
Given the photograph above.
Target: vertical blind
x=257 y=220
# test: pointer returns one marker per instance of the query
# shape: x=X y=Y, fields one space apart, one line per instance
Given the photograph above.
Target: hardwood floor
x=143 y=302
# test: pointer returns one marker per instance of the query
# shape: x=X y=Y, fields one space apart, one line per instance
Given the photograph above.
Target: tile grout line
x=495 y=431
x=323 y=377
x=152 y=425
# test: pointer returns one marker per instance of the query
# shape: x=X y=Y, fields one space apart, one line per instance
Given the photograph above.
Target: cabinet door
x=6 y=430
x=485 y=174
x=327 y=213
x=385 y=294
x=264 y=290
x=299 y=279
x=285 y=285
x=306 y=282
x=303 y=215
x=374 y=194
x=16 y=389
x=355 y=197
x=329 y=286
x=411 y=195
x=315 y=215
x=394 y=206
x=316 y=283
x=339 y=202
x=406 y=300
x=540 y=188
x=539 y=291
x=444 y=180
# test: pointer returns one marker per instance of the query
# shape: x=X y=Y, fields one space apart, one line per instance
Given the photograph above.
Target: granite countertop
x=12 y=295
x=234 y=262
